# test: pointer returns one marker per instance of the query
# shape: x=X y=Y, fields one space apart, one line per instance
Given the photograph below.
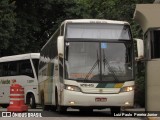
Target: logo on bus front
x=87 y=85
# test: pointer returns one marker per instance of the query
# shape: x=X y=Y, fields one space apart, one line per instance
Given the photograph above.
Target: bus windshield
x=99 y=61
x=98 y=51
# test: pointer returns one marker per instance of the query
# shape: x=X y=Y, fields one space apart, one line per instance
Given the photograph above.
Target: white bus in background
x=88 y=64
x=20 y=69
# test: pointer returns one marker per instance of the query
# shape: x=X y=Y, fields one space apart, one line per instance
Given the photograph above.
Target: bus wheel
x=115 y=110
x=60 y=109
x=31 y=101
x=44 y=107
x=4 y=105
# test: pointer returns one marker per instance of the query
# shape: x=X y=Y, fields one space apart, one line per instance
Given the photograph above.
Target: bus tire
x=60 y=109
x=115 y=110
x=44 y=107
x=4 y=105
x=31 y=100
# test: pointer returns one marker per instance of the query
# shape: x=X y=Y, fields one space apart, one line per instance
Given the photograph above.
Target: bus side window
x=1 y=69
x=26 y=68
x=61 y=67
x=12 y=68
x=5 y=69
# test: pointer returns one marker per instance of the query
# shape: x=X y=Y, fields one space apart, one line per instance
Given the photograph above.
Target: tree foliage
x=23 y=23
x=7 y=22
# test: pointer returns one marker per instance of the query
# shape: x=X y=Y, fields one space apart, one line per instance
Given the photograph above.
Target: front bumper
x=72 y=98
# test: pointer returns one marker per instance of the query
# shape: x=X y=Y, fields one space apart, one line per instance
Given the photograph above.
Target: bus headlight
x=72 y=88
x=127 y=89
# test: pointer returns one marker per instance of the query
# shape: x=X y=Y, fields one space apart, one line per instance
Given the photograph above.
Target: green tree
x=115 y=10
x=7 y=22
x=53 y=12
x=36 y=17
x=25 y=32
x=27 y=27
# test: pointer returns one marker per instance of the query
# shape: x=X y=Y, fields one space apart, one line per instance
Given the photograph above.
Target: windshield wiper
x=93 y=67
x=105 y=62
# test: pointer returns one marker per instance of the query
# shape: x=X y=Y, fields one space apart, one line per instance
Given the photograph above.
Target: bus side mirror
x=60 y=45
x=140 y=49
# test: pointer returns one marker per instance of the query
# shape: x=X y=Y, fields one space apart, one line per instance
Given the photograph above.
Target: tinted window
x=8 y=69
x=1 y=69
x=155 y=43
x=99 y=61
x=5 y=69
x=13 y=68
x=26 y=68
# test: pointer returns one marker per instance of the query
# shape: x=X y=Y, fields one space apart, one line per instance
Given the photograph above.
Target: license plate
x=99 y=99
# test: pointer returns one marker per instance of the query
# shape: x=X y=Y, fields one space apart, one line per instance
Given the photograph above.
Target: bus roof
x=20 y=57
x=94 y=21
x=88 y=21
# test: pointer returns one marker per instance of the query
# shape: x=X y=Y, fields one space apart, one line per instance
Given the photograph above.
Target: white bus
x=88 y=64
x=20 y=69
